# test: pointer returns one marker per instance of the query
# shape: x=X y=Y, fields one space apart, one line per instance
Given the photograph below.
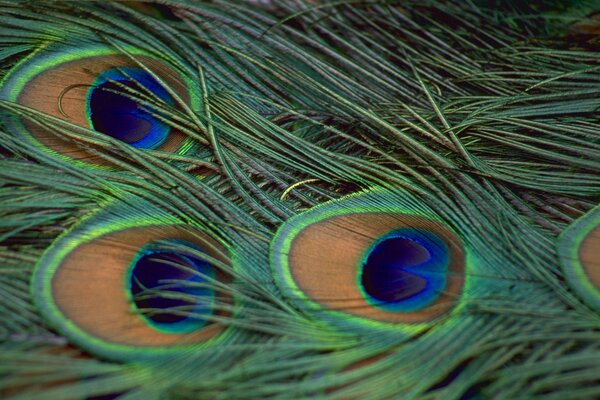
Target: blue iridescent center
x=405 y=270
x=170 y=289
x=113 y=110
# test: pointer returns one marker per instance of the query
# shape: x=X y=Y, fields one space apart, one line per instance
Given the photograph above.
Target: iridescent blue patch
x=405 y=270
x=114 y=111
x=171 y=290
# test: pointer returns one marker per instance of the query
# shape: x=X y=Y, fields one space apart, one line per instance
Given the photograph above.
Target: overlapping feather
x=449 y=107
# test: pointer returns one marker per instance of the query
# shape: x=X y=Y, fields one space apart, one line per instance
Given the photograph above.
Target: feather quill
x=465 y=130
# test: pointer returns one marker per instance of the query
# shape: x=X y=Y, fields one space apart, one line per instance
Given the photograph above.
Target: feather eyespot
x=172 y=289
x=578 y=253
x=404 y=269
x=112 y=112
x=97 y=88
x=354 y=260
x=131 y=289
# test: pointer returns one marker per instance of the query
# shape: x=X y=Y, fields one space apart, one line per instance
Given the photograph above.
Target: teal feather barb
x=299 y=200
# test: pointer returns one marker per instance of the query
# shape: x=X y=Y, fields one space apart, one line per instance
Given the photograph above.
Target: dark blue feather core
x=171 y=290
x=114 y=111
x=405 y=270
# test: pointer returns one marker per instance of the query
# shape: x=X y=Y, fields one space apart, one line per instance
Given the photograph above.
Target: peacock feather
x=299 y=199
